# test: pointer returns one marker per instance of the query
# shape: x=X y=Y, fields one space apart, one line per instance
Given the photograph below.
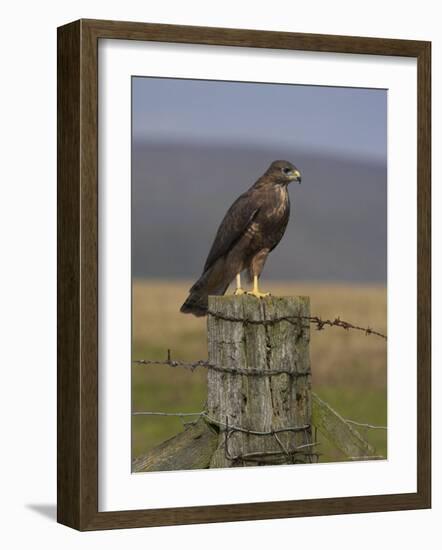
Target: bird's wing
x=237 y=219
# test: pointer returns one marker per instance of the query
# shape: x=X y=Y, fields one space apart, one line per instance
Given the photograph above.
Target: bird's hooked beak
x=296 y=176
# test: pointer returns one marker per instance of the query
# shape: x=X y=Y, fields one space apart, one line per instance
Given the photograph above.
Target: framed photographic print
x=243 y=274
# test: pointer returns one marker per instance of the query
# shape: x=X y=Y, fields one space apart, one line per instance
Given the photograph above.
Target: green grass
x=368 y=406
x=162 y=388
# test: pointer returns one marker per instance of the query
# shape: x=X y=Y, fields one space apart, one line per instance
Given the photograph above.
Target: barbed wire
x=250 y=371
x=260 y=456
x=313 y=319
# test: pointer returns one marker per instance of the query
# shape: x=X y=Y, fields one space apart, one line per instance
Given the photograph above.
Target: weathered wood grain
x=341 y=434
x=189 y=450
x=259 y=403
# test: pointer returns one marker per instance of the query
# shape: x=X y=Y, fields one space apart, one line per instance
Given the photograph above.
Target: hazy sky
x=329 y=119
x=197 y=145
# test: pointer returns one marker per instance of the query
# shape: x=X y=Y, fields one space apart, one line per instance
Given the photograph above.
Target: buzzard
x=250 y=230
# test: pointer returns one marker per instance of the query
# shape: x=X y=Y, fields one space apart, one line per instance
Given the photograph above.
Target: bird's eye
x=287 y=170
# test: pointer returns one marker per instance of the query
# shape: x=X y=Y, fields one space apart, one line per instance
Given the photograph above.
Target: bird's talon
x=258 y=294
x=239 y=292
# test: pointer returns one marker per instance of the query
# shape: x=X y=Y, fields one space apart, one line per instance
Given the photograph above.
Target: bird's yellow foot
x=239 y=292
x=258 y=294
x=255 y=292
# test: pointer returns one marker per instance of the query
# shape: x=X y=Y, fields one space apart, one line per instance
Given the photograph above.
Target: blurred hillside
x=337 y=230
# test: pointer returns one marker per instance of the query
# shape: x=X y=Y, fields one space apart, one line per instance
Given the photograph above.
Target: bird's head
x=283 y=172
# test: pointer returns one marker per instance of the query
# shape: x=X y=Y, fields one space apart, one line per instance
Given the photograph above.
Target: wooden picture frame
x=77 y=460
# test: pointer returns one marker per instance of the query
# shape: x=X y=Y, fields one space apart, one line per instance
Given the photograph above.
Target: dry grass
x=349 y=368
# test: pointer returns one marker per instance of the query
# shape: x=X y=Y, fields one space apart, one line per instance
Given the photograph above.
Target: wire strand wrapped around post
x=274 y=412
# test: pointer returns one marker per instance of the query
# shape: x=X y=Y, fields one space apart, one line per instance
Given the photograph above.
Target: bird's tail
x=197 y=303
x=198 y=300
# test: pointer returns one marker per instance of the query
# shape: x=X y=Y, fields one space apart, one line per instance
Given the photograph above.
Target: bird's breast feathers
x=275 y=203
x=270 y=222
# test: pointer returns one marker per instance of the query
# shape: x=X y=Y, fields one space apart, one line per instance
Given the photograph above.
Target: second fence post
x=260 y=398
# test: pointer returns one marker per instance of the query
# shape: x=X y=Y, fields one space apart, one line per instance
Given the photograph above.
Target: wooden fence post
x=247 y=334
x=259 y=393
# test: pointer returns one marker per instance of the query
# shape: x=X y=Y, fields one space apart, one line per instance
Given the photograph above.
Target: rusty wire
x=312 y=319
x=305 y=450
x=260 y=456
x=250 y=371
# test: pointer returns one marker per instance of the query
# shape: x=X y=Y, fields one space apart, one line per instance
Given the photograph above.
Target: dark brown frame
x=77 y=224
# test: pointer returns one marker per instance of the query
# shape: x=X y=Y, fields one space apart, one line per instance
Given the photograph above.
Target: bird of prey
x=250 y=230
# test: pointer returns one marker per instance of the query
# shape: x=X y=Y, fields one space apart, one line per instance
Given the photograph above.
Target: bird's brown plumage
x=250 y=230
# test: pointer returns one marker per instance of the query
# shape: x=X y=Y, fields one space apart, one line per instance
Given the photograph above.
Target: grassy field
x=349 y=369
